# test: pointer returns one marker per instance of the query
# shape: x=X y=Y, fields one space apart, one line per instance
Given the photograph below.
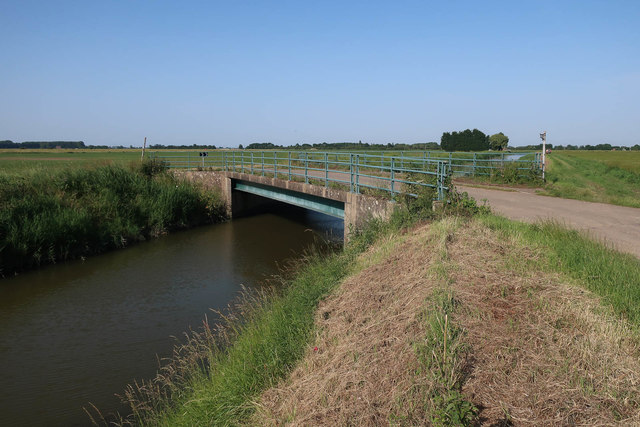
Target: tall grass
x=47 y=217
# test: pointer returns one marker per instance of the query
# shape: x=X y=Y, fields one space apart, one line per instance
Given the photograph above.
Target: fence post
x=275 y=164
x=252 y=163
x=289 y=161
x=357 y=173
x=306 y=168
x=474 y=163
x=262 y=156
x=326 y=169
x=393 y=182
x=189 y=160
x=350 y=172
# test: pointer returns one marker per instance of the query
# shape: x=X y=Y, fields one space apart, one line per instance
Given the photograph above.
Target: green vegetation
x=498 y=141
x=629 y=160
x=441 y=356
x=466 y=140
x=606 y=177
x=42 y=144
x=610 y=274
x=52 y=216
x=20 y=162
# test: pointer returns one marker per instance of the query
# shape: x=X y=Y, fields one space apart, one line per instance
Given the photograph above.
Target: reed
x=52 y=216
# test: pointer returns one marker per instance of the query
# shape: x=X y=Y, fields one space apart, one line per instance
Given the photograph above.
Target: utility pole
x=543 y=137
x=143 y=147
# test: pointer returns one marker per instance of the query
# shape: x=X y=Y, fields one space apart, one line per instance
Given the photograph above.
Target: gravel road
x=618 y=226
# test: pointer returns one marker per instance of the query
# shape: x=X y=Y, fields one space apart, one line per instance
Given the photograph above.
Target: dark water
x=79 y=332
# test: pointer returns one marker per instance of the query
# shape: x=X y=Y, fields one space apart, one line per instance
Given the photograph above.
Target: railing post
x=306 y=168
x=350 y=172
x=275 y=164
x=393 y=178
x=357 y=173
x=189 y=160
x=262 y=155
x=474 y=163
x=242 y=161
x=326 y=169
x=289 y=156
x=252 y=163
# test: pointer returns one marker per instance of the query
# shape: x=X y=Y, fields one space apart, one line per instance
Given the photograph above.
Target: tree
x=498 y=141
x=240 y=147
x=467 y=140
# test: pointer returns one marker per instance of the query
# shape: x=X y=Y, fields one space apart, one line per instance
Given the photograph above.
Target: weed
x=442 y=356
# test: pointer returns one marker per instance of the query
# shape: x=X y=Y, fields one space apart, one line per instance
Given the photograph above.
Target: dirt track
x=616 y=225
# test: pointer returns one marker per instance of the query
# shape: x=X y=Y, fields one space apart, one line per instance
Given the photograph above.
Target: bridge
x=350 y=186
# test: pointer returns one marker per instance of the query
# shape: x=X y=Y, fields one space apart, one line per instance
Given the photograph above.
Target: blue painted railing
x=355 y=172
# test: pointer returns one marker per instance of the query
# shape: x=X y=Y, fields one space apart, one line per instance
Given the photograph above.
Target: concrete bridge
x=245 y=192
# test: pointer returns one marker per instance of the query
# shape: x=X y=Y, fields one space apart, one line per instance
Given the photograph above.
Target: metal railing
x=355 y=172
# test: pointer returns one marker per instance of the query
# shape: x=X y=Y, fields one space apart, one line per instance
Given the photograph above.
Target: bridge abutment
x=355 y=209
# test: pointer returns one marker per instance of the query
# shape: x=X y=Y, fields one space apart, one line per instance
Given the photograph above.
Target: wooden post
x=143 y=147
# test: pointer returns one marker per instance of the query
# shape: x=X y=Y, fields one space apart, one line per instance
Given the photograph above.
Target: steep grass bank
x=457 y=323
x=47 y=217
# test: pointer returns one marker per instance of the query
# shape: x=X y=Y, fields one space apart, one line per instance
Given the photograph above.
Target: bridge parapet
x=351 y=172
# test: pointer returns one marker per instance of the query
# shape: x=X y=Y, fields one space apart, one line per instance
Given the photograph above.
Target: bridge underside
x=308 y=201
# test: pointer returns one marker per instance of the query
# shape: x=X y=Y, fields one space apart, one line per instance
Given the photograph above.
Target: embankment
x=457 y=321
x=48 y=217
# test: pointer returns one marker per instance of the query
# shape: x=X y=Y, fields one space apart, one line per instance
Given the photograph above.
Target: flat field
x=596 y=176
x=20 y=161
x=629 y=160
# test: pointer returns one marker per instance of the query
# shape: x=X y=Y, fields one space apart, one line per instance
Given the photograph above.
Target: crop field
x=20 y=161
x=629 y=160
x=595 y=176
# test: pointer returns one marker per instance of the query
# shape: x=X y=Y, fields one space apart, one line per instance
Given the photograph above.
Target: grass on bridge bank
x=48 y=216
x=595 y=176
x=545 y=316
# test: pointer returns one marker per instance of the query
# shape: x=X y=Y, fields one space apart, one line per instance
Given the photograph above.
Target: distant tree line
x=42 y=144
x=603 y=147
x=329 y=146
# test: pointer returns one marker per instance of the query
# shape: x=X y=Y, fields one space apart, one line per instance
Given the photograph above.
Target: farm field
x=629 y=160
x=595 y=176
x=20 y=161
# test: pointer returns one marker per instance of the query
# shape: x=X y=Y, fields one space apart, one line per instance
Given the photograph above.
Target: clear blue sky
x=236 y=72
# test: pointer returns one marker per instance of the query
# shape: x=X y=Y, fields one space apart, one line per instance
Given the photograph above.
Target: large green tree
x=498 y=141
x=467 y=140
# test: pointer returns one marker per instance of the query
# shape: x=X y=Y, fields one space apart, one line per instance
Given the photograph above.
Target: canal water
x=79 y=332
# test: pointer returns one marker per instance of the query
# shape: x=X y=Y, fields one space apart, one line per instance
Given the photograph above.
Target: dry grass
x=357 y=372
x=546 y=352
x=542 y=351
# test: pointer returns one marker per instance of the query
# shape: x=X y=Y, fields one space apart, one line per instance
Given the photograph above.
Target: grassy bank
x=612 y=275
x=52 y=216
x=606 y=177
